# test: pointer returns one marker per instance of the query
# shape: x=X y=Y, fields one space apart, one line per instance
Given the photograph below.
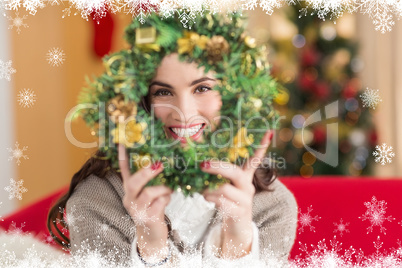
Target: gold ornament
x=187 y=43
x=216 y=47
x=130 y=133
x=259 y=61
x=145 y=39
x=250 y=42
x=239 y=147
x=142 y=160
x=282 y=97
x=257 y=103
x=119 y=110
x=120 y=72
x=246 y=63
x=145 y=35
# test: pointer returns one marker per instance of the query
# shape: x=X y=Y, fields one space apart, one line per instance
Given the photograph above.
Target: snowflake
x=140 y=216
x=378 y=244
x=48 y=239
x=13 y=5
x=6 y=70
x=384 y=23
x=2 y=8
x=324 y=8
x=370 y=98
x=55 y=2
x=380 y=12
x=341 y=227
x=383 y=154
x=26 y=97
x=69 y=220
x=17 y=153
x=55 y=57
x=141 y=9
x=306 y=219
x=104 y=228
x=267 y=5
x=376 y=214
x=16 y=232
x=187 y=18
x=15 y=189
x=17 y=22
x=224 y=212
x=30 y=6
x=322 y=255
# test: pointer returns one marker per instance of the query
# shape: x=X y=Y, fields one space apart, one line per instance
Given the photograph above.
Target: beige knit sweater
x=98 y=220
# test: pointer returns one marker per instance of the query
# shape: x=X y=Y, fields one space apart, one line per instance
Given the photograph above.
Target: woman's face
x=182 y=98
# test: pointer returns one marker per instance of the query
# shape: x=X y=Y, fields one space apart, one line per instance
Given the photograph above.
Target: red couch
x=323 y=203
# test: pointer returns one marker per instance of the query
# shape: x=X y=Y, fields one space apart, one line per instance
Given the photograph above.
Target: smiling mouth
x=181 y=133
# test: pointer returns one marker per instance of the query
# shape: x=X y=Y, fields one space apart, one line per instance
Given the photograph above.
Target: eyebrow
x=202 y=79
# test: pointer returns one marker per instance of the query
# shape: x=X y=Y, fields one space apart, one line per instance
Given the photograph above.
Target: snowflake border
x=382 y=13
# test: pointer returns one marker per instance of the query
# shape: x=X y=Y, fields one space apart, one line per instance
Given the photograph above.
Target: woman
x=111 y=211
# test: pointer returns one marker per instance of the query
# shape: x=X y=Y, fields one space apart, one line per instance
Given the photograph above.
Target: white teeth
x=183 y=132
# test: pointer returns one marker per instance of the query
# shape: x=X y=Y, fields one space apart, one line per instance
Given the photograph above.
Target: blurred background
x=317 y=62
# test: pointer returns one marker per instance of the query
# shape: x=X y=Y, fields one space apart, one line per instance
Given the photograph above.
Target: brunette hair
x=98 y=165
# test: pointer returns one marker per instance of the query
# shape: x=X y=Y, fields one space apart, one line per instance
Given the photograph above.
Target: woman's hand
x=145 y=205
x=234 y=201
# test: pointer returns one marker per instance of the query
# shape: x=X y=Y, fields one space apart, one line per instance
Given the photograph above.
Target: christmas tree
x=317 y=67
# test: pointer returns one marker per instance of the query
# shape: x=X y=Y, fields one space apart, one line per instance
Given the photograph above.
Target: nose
x=186 y=109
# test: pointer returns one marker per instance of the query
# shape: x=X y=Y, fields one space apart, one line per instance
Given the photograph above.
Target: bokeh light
x=299 y=41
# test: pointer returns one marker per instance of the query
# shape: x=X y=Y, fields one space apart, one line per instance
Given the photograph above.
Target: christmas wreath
x=215 y=41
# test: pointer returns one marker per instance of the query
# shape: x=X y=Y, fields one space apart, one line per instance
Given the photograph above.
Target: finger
x=223 y=203
x=139 y=179
x=254 y=161
x=229 y=171
x=123 y=162
x=159 y=204
x=149 y=194
x=231 y=193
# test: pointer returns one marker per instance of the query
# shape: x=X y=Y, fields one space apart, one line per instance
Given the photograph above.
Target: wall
x=53 y=160
x=6 y=121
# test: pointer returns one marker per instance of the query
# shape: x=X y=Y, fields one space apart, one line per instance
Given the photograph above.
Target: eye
x=203 y=88
x=161 y=92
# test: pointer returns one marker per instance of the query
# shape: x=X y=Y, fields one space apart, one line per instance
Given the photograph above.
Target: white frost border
x=382 y=12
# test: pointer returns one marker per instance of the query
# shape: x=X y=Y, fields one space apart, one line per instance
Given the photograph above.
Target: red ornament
x=322 y=90
x=309 y=57
x=308 y=78
x=373 y=137
x=306 y=83
x=319 y=133
x=103 y=32
x=349 y=91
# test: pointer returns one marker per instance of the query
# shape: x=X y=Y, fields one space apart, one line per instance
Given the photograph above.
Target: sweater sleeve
x=213 y=242
x=95 y=222
x=98 y=222
x=275 y=215
x=173 y=260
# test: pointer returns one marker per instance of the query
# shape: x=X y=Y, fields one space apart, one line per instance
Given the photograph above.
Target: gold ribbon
x=122 y=68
